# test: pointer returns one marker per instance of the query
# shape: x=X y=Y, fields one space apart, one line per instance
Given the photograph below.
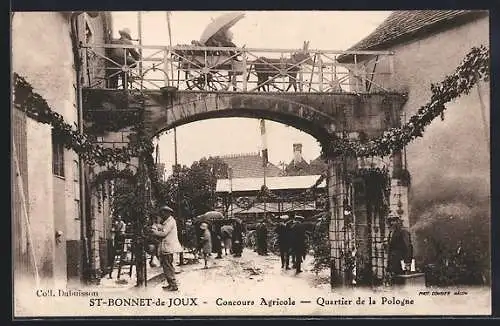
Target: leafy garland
x=36 y=107
x=474 y=68
x=113 y=173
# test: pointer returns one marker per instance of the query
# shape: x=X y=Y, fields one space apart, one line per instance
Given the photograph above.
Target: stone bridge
x=319 y=114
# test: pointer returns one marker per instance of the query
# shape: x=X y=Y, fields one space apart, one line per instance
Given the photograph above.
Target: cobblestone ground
x=250 y=275
x=253 y=278
x=245 y=275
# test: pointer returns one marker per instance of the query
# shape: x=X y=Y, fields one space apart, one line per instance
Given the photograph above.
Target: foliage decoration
x=377 y=181
x=113 y=120
x=36 y=107
x=113 y=173
x=474 y=68
x=244 y=203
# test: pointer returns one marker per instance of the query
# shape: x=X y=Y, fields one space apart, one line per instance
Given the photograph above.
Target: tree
x=194 y=187
x=126 y=201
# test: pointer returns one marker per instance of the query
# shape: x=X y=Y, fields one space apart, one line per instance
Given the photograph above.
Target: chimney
x=297 y=153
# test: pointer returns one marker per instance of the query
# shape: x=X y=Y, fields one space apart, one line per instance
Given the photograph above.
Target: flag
x=265 y=159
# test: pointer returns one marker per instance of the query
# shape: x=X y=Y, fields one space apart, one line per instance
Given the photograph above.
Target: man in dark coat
x=289 y=238
x=299 y=242
x=121 y=56
x=399 y=247
x=283 y=242
x=261 y=238
x=237 y=237
x=216 y=239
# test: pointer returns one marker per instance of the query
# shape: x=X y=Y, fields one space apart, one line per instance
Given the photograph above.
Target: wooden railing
x=212 y=69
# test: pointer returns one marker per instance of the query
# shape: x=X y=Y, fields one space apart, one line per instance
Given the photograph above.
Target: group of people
x=291 y=237
x=129 y=56
x=291 y=234
x=214 y=237
x=207 y=238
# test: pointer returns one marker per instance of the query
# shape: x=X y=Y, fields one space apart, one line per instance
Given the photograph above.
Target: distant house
x=318 y=166
x=250 y=165
x=450 y=164
x=289 y=187
x=245 y=198
x=298 y=166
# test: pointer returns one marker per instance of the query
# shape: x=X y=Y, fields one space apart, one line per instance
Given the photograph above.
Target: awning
x=273 y=208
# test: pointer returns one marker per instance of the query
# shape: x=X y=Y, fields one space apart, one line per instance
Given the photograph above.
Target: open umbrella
x=209 y=216
x=224 y=21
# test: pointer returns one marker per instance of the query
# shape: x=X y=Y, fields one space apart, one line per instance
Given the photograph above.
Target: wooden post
x=140 y=257
x=320 y=66
x=245 y=71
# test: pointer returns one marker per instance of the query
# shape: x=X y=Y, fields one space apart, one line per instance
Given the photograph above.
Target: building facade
x=48 y=220
x=450 y=165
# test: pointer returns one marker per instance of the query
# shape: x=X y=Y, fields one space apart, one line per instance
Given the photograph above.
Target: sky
x=326 y=30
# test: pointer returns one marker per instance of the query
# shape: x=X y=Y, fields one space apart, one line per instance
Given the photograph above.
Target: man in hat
x=399 y=247
x=237 y=238
x=261 y=233
x=283 y=242
x=299 y=242
x=169 y=245
x=121 y=56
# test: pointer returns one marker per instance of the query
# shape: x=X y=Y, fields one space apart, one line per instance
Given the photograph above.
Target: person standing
x=155 y=241
x=169 y=245
x=399 y=247
x=121 y=56
x=283 y=242
x=261 y=233
x=205 y=243
x=299 y=243
x=216 y=239
x=120 y=230
x=237 y=237
x=289 y=228
x=227 y=235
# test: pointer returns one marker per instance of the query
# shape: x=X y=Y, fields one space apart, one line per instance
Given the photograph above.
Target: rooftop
x=403 y=25
x=273 y=183
x=249 y=165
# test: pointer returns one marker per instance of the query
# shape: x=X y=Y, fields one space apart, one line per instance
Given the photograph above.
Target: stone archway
x=322 y=115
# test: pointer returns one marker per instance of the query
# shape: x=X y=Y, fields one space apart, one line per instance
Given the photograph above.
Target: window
x=77 y=209
x=57 y=156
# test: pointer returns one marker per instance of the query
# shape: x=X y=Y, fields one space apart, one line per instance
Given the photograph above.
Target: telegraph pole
x=140 y=256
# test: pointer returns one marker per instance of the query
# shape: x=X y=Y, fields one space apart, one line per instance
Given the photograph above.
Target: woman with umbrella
x=212 y=218
x=217 y=32
x=227 y=235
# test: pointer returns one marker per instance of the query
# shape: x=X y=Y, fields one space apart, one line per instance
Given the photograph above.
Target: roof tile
x=249 y=166
x=410 y=23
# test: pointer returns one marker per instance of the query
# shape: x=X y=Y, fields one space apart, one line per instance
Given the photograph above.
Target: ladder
x=123 y=256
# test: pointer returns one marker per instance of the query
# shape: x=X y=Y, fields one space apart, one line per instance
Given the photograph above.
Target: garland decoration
x=474 y=68
x=36 y=107
x=113 y=173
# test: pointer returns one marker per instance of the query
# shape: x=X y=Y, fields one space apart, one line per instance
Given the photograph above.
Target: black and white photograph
x=250 y=163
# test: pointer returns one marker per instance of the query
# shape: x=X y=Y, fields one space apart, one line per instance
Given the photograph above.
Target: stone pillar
x=336 y=229
x=398 y=203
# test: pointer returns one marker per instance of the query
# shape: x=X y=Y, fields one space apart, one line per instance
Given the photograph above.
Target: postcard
x=257 y=163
